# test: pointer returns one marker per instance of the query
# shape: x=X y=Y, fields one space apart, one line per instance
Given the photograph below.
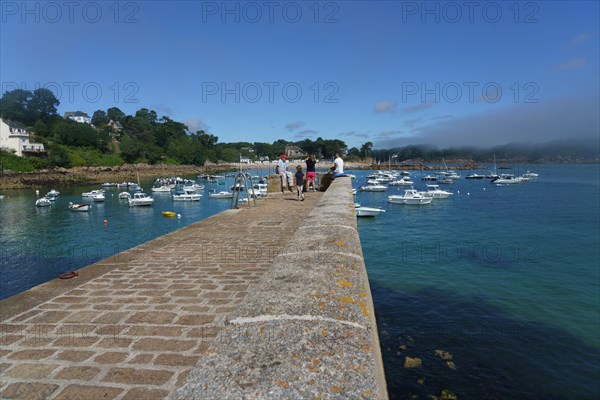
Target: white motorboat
x=187 y=195
x=260 y=189
x=140 y=199
x=43 y=202
x=429 y=178
x=368 y=211
x=80 y=207
x=404 y=181
x=474 y=176
x=124 y=195
x=213 y=194
x=98 y=197
x=195 y=187
x=354 y=191
x=161 y=189
x=373 y=188
x=109 y=184
x=56 y=193
x=410 y=196
x=507 y=179
x=237 y=187
x=435 y=192
x=530 y=175
x=92 y=193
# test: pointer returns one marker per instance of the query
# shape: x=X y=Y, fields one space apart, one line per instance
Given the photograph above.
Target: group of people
x=297 y=180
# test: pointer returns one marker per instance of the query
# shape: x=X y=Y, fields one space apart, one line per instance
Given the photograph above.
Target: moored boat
x=80 y=207
x=435 y=192
x=140 y=199
x=373 y=188
x=92 y=193
x=213 y=194
x=368 y=211
x=43 y=202
x=187 y=195
x=410 y=196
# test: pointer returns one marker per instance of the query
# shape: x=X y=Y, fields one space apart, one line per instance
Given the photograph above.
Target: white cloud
x=577 y=40
x=292 y=126
x=571 y=64
x=385 y=106
x=195 y=125
x=417 y=108
x=388 y=134
x=355 y=134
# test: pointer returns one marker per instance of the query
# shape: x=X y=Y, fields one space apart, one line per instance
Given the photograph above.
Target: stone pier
x=271 y=301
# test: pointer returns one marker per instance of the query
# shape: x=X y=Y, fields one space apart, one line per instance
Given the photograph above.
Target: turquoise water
x=39 y=243
x=506 y=279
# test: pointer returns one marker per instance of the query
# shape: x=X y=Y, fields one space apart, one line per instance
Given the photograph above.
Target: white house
x=14 y=137
x=78 y=116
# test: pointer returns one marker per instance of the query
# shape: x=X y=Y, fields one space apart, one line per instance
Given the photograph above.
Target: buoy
x=468 y=194
x=37 y=192
x=178 y=215
x=105 y=222
x=458 y=191
x=483 y=188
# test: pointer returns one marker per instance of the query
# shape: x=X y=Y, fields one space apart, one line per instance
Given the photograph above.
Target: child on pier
x=299 y=177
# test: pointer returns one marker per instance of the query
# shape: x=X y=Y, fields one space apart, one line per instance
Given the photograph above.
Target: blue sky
x=389 y=72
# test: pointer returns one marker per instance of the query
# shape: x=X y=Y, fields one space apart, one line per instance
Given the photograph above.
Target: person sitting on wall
x=338 y=166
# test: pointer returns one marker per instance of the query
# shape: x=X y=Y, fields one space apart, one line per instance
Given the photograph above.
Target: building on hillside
x=294 y=152
x=245 y=160
x=78 y=116
x=15 y=138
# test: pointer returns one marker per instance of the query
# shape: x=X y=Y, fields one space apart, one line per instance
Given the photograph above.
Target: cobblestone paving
x=136 y=331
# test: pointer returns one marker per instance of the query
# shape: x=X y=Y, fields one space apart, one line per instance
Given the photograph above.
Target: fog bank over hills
x=566 y=150
x=575 y=117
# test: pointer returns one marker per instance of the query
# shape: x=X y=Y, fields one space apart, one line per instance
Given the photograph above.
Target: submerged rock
x=444 y=355
x=410 y=362
x=447 y=394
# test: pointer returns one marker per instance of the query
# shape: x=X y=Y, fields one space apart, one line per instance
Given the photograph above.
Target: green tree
x=354 y=152
x=42 y=105
x=100 y=118
x=366 y=149
x=58 y=156
x=13 y=105
x=115 y=114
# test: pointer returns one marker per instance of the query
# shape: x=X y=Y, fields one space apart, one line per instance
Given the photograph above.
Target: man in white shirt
x=338 y=165
x=284 y=174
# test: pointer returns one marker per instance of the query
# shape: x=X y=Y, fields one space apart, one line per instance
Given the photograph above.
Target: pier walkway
x=263 y=302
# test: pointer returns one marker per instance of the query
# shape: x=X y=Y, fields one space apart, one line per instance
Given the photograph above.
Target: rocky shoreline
x=93 y=175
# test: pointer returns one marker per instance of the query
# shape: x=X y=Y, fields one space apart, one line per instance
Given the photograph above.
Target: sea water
x=503 y=278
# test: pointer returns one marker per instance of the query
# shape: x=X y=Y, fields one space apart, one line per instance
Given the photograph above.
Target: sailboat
x=493 y=175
